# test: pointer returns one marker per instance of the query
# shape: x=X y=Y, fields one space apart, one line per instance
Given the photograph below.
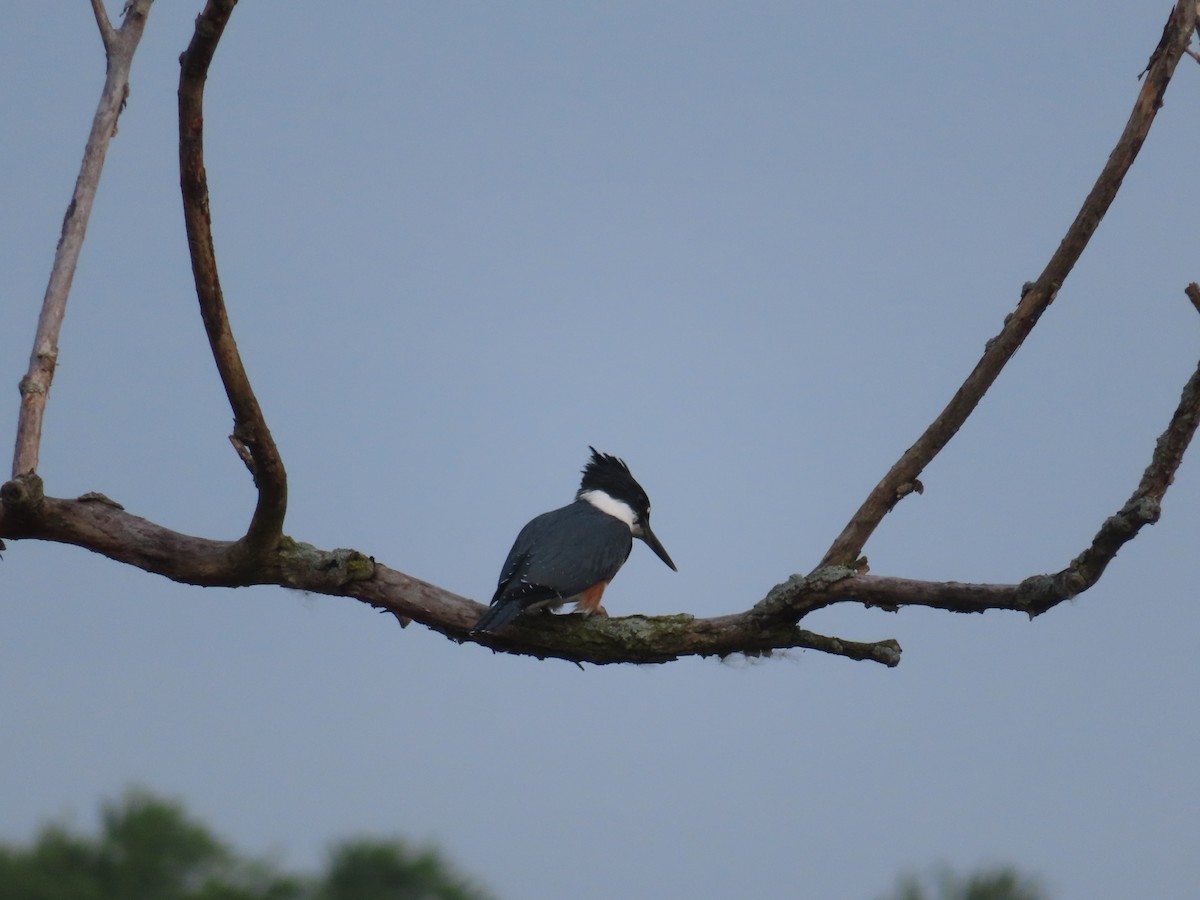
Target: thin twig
x=119 y=48
x=250 y=426
x=107 y=34
x=1142 y=508
x=1034 y=301
x=1193 y=294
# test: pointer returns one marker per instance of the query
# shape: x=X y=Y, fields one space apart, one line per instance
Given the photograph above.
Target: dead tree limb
x=251 y=437
x=1035 y=298
x=1036 y=594
x=264 y=556
x=119 y=47
x=100 y=525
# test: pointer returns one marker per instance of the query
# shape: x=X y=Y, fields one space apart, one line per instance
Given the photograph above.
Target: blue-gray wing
x=563 y=553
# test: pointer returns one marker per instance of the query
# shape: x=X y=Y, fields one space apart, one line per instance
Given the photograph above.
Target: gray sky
x=751 y=248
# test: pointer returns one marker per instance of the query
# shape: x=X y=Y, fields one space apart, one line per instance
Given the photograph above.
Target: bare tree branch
x=251 y=437
x=119 y=47
x=265 y=556
x=103 y=526
x=107 y=34
x=1035 y=299
x=1039 y=593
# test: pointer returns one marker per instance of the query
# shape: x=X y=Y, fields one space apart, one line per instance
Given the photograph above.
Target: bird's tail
x=497 y=616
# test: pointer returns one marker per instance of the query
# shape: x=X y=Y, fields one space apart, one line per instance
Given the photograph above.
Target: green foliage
x=367 y=869
x=149 y=847
x=1004 y=883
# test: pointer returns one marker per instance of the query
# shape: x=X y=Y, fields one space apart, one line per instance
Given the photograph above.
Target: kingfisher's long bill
x=569 y=555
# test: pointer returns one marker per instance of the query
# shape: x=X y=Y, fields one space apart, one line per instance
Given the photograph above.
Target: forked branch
x=1039 y=593
x=264 y=556
x=1035 y=299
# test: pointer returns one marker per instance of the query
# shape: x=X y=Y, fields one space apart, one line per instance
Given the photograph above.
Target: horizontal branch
x=103 y=526
x=99 y=524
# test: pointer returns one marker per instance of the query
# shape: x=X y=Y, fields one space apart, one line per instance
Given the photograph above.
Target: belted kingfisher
x=569 y=555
